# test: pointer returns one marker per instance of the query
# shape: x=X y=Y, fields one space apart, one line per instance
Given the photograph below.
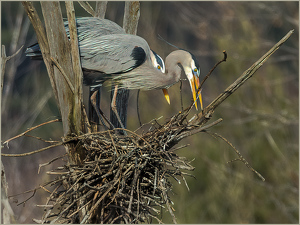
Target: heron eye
x=195 y=70
x=158 y=67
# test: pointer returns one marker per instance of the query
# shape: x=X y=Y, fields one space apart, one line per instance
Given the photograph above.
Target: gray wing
x=112 y=54
x=91 y=27
x=88 y=28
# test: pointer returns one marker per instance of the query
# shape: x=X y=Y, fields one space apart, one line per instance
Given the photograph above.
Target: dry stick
x=42 y=40
x=78 y=75
x=33 y=152
x=210 y=72
x=135 y=135
x=51 y=161
x=88 y=215
x=205 y=78
x=206 y=114
x=100 y=9
x=167 y=202
x=63 y=73
x=87 y=7
x=30 y=129
x=241 y=158
x=41 y=139
x=197 y=130
x=27 y=198
x=4 y=59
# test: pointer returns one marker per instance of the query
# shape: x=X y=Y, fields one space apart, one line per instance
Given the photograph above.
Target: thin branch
x=78 y=75
x=61 y=70
x=197 y=130
x=4 y=59
x=210 y=72
x=240 y=157
x=100 y=9
x=87 y=7
x=208 y=111
x=33 y=152
x=30 y=129
x=41 y=139
x=43 y=42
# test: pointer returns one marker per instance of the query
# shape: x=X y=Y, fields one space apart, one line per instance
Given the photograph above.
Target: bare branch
x=4 y=59
x=78 y=75
x=43 y=42
x=61 y=70
x=240 y=157
x=87 y=7
x=30 y=129
x=33 y=152
x=131 y=16
x=206 y=114
x=100 y=9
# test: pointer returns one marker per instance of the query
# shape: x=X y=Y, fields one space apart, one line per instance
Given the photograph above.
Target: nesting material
x=123 y=179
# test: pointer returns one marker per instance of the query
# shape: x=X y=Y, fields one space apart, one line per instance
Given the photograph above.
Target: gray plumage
x=106 y=50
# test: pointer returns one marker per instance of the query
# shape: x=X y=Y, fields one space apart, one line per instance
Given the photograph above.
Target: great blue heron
x=126 y=60
x=89 y=28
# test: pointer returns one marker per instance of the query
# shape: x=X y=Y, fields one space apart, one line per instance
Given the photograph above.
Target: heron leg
x=114 y=108
x=99 y=112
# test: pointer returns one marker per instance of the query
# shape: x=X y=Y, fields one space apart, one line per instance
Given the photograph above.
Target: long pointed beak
x=165 y=91
x=197 y=82
x=194 y=82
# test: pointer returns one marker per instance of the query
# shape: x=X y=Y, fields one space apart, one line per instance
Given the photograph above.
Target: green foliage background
x=260 y=119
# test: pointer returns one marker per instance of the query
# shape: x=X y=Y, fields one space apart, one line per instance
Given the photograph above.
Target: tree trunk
x=63 y=68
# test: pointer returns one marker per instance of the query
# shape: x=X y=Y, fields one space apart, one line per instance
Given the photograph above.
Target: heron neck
x=173 y=60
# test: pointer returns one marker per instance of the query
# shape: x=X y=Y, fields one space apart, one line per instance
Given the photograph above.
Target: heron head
x=157 y=61
x=192 y=70
x=159 y=64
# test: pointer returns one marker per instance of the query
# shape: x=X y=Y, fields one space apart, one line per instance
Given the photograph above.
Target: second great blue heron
x=126 y=60
x=89 y=28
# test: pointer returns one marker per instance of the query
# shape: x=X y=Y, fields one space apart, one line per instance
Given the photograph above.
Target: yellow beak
x=195 y=82
x=165 y=91
x=199 y=92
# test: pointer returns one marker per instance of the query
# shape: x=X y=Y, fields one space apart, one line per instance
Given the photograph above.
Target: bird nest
x=123 y=179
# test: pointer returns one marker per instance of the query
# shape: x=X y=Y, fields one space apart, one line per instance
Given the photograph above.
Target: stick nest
x=123 y=179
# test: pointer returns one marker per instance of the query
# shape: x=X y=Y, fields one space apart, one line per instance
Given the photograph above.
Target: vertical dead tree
x=130 y=24
x=63 y=67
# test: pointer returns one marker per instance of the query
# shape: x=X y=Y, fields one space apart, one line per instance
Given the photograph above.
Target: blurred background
x=260 y=119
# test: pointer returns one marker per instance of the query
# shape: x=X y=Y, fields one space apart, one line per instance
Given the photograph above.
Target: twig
x=33 y=152
x=241 y=158
x=4 y=59
x=100 y=9
x=206 y=114
x=87 y=7
x=41 y=139
x=135 y=135
x=167 y=202
x=27 y=198
x=197 y=130
x=48 y=163
x=30 y=129
x=210 y=72
x=61 y=70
